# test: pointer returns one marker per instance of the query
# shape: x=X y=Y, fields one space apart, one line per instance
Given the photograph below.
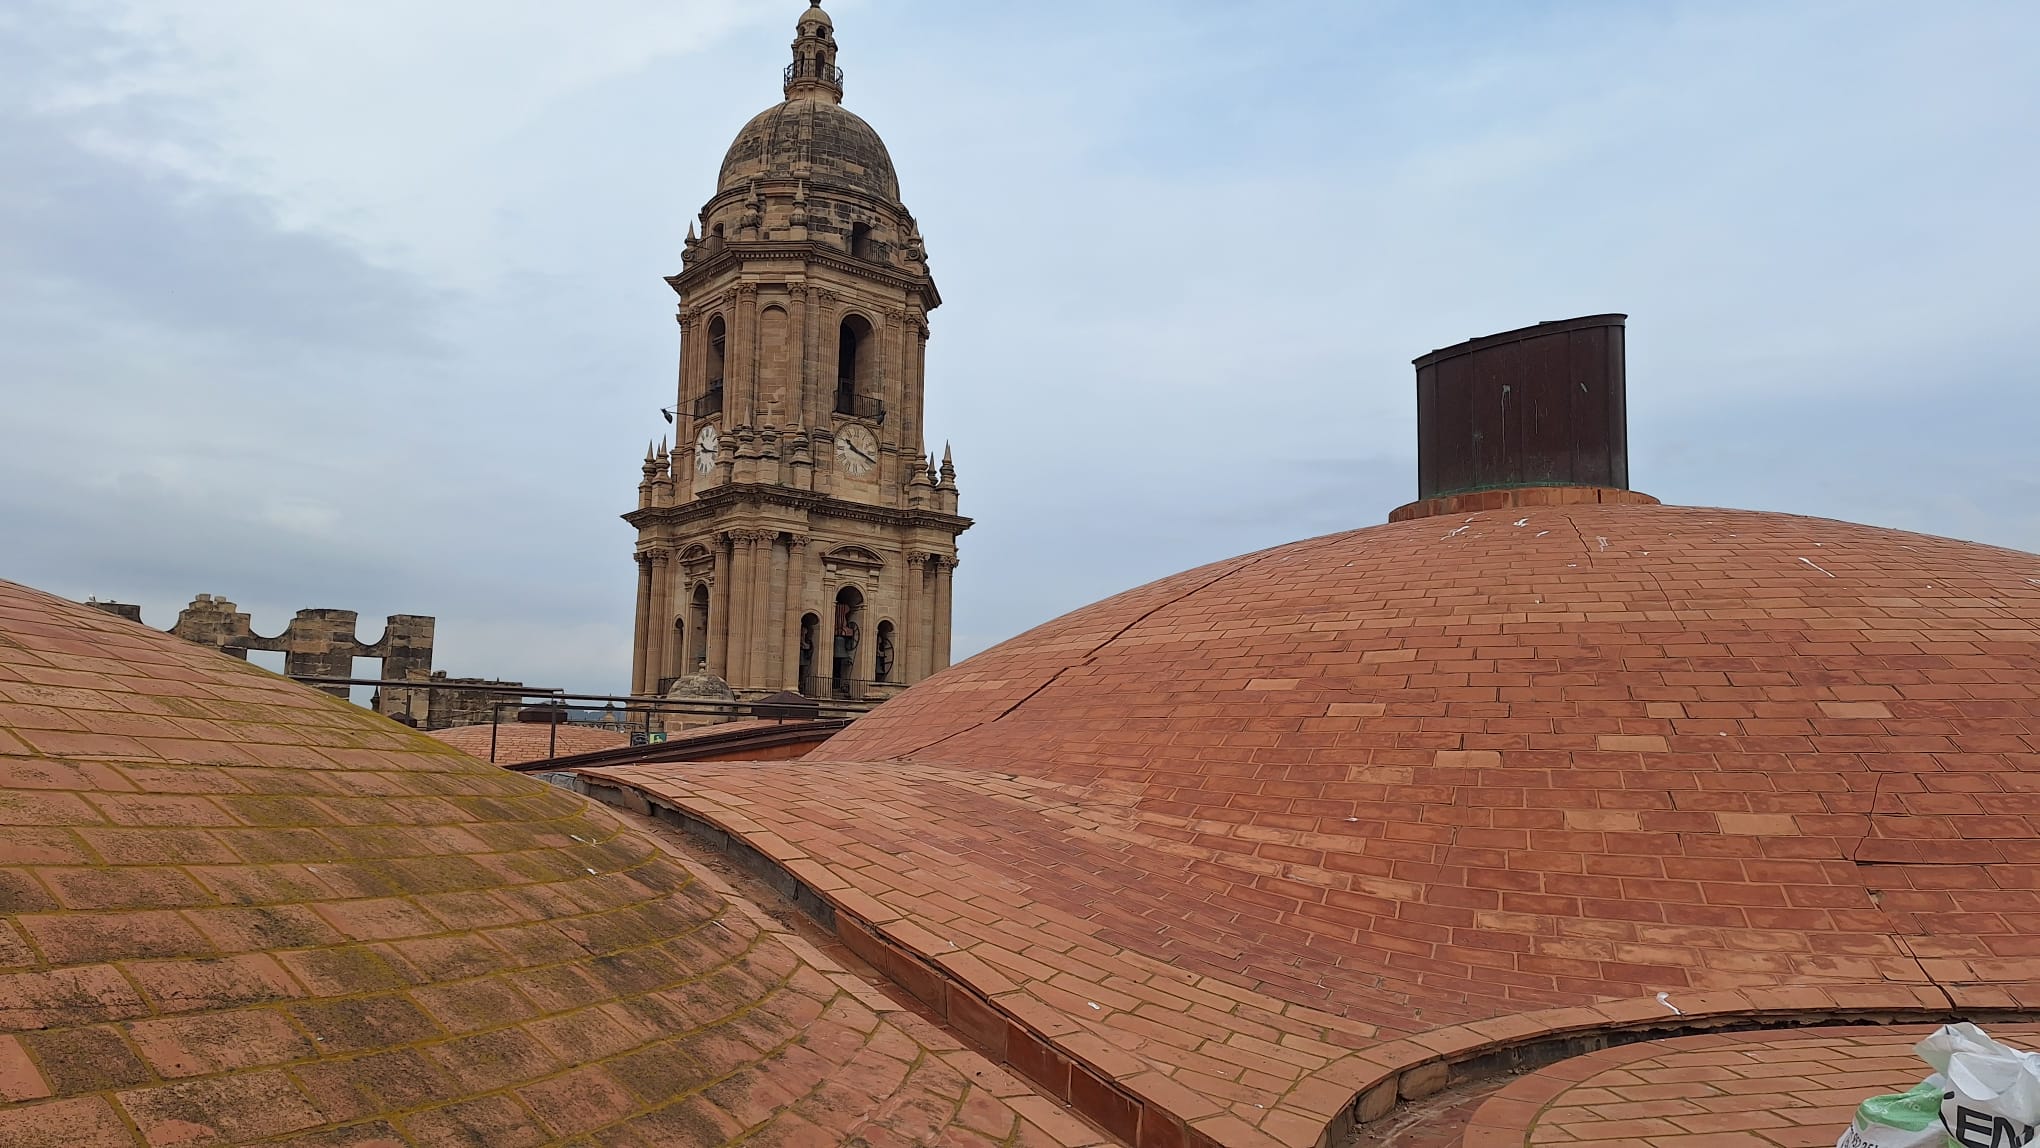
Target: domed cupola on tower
x=799 y=534
x=811 y=137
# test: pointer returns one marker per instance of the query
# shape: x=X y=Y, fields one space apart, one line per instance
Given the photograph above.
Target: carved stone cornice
x=713 y=504
x=704 y=273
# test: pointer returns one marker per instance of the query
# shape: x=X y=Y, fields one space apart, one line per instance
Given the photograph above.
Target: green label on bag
x=1913 y=1111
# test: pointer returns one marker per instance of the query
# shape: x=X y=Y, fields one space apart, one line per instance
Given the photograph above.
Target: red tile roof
x=236 y=911
x=1268 y=834
x=1748 y=1089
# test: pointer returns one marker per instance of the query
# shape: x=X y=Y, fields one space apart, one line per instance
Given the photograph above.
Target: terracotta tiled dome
x=236 y=911
x=1531 y=757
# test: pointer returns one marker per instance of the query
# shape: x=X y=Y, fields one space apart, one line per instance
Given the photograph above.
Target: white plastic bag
x=1993 y=1090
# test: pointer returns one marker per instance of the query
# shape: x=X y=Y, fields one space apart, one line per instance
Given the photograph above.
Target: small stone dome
x=701 y=686
x=813 y=140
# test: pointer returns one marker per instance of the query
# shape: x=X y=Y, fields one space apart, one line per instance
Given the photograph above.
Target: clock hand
x=861 y=454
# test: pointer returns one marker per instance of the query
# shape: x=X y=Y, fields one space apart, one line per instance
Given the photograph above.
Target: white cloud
x=359 y=305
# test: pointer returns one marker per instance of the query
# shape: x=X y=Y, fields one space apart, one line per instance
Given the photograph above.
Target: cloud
x=361 y=305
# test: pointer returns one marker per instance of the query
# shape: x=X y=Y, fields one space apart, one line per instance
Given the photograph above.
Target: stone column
x=683 y=403
x=867 y=642
x=940 y=651
x=766 y=568
x=911 y=350
x=676 y=604
x=894 y=393
x=746 y=362
x=799 y=320
x=658 y=631
x=825 y=638
x=719 y=611
x=794 y=579
x=740 y=609
x=920 y=402
x=821 y=358
x=775 y=620
x=640 y=655
x=913 y=631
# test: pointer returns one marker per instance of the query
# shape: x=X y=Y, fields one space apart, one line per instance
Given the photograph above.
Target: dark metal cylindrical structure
x=1540 y=406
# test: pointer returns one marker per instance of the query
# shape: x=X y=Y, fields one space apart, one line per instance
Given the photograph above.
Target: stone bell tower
x=798 y=535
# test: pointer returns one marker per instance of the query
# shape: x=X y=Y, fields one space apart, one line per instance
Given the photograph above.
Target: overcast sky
x=359 y=304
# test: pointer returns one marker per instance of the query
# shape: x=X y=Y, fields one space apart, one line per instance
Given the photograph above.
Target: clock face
x=704 y=450
x=857 y=449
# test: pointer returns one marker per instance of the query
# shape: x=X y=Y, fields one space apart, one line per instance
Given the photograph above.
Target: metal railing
x=637 y=717
x=859 y=689
x=803 y=69
x=849 y=402
x=710 y=403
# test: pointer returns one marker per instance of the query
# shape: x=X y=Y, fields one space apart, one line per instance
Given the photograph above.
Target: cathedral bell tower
x=798 y=535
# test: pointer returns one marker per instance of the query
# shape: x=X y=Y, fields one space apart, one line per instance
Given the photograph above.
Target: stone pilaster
x=944 y=568
x=914 y=610
x=744 y=351
x=770 y=604
x=659 y=631
x=719 y=612
x=640 y=655
x=794 y=580
x=741 y=577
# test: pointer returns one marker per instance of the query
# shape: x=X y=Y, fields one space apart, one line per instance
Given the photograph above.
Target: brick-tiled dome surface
x=1528 y=758
x=235 y=911
x=1723 y=1090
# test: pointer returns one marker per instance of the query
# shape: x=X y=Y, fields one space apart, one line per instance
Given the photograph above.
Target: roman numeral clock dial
x=857 y=450
x=705 y=445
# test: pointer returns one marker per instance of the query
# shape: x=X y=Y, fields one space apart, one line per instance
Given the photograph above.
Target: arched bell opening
x=886 y=658
x=856 y=369
x=697 y=630
x=711 y=401
x=810 y=642
x=845 y=637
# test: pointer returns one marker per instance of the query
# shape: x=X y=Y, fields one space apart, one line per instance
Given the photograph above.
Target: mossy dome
x=236 y=911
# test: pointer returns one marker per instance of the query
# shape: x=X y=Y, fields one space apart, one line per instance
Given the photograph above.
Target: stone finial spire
x=813 y=75
x=645 y=485
x=948 y=471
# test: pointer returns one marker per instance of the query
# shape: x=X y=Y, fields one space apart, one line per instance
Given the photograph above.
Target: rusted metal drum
x=1539 y=406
